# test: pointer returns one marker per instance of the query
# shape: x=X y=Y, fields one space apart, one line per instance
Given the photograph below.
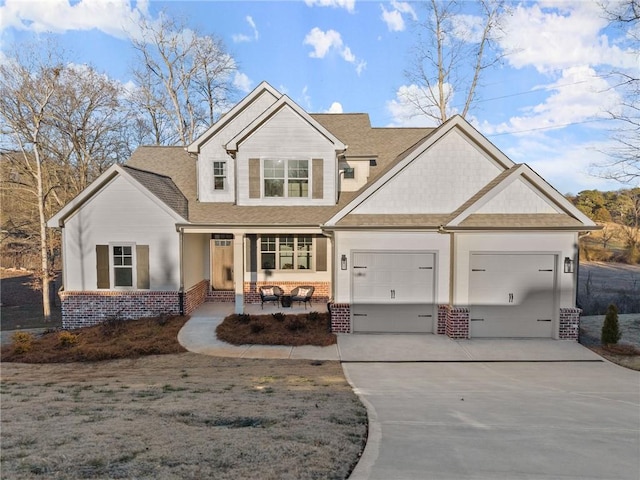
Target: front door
x=222 y=262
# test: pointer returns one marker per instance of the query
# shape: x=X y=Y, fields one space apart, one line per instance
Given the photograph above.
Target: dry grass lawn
x=180 y=416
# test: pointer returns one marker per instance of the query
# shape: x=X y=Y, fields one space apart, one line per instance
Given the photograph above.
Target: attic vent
x=373 y=163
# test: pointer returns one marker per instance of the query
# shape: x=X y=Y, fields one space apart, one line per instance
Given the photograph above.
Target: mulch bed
x=311 y=328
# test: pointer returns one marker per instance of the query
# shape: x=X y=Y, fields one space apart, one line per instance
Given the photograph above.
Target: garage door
x=392 y=292
x=512 y=295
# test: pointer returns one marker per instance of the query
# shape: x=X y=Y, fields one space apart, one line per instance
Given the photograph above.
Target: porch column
x=238 y=270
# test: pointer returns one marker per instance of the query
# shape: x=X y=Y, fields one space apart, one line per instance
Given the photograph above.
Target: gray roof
x=162 y=187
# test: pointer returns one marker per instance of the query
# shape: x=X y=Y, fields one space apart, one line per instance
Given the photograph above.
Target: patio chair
x=270 y=293
x=302 y=294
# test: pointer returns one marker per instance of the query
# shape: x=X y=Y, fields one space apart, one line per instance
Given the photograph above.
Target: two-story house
x=400 y=229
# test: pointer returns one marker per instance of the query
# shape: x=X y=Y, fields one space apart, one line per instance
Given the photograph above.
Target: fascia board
x=195 y=146
x=232 y=145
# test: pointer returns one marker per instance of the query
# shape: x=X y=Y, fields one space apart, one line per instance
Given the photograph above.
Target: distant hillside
x=618 y=212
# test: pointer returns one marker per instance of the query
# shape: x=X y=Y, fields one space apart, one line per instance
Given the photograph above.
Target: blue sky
x=544 y=105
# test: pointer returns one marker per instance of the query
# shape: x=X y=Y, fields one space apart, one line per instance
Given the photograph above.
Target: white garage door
x=392 y=292
x=512 y=295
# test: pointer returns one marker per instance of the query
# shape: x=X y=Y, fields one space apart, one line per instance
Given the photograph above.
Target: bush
x=295 y=324
x=243 y=318
x=279 y=316
x=67 y=339
x=112 y=325
x=313 y=316
x=256 y=327
x=610 y=329
x=22 y=342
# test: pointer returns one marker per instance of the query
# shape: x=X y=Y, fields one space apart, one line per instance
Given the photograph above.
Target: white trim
x=112 y=266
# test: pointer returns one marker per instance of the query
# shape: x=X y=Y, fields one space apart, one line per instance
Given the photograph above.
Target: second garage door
x=512 y=295
x=393 y=292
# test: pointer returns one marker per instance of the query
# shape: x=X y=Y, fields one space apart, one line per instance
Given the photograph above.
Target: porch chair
x=302 y=294
x=270 y=293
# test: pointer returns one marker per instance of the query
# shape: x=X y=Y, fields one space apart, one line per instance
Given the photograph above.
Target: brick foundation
x=457 y=322
x=442 y=319
x=221 y=296
x=569 y=324
x=340 y=317
x=83 y=309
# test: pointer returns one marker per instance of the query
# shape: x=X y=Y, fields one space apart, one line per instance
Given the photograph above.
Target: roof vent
x=373 y=163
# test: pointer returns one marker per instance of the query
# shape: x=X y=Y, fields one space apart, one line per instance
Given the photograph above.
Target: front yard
x=180 y=416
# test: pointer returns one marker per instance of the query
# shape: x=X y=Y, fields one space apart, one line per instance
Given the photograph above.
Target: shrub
x=22 y=342
x=112 y=325
x=67 y=339
x=313 y=316
x=279 y=316
x=611 y=329
x=295 y=324
x=244 y=318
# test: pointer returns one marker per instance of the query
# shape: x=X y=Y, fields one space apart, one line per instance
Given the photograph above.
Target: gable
x=438 y=180
x=519 y=197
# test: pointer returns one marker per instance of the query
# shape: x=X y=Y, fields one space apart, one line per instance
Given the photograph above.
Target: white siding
x=214 y=150
x=438 y=181
x=561 y=244
x=348 y=242
x=287 y=135
x=196 y=258
x=120 y=212
x=518 y=197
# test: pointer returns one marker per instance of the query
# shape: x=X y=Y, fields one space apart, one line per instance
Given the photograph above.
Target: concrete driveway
x=499 y=420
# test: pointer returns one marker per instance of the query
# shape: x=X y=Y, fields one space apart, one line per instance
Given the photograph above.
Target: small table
x=285 y=301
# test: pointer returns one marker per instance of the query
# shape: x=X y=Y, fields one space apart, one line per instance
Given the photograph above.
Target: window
x=122 y=265
x=286 y=178
x=349 y=172
x=286 y=252
x=219 y=175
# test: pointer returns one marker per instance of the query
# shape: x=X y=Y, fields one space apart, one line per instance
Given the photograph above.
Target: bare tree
x=624 y=163
x=27 y=87
x=450 y=57
x=183 y=79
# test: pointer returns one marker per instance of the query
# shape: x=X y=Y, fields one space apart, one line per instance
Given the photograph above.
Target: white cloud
x=242 y=38
x=305 y=99
x=579 y=95
x=404 y=108
x=324 y=42
x=562 y=37
x=394 y=17
x=336 y=107
x=242 y=82
x=115 y=18
x=348 y=5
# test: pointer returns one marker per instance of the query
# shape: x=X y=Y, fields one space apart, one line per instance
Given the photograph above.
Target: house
x=401 y=229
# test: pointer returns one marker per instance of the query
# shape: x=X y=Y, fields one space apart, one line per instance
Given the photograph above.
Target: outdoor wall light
x=343 y=262
x=568 y=265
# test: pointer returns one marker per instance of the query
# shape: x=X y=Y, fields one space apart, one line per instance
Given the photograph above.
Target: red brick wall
x=321 y=293
x=195 y=296
x=221 y=296
x=457 y=323
x=442 y=319
x=340 y=317
x=82 y=309
x=569 y=323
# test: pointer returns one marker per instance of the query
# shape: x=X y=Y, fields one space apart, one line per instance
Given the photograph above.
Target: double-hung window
x=286 y=178
x=286 y=252
x=219 y=175
x=122 y=260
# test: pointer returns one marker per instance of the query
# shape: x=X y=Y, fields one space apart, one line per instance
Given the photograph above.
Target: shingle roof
x=519 y=220
x=393 y=220
x=162 y=187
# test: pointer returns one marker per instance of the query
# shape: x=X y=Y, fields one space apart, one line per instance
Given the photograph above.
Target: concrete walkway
x=198 y=335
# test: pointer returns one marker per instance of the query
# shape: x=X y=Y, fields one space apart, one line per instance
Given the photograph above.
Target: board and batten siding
x=439 y=180
x=347 y=242
x=213 y=150
x=121 y=213
x=286 y=135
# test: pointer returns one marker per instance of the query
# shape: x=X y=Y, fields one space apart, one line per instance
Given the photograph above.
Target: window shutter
x=102 y=266
x=254 y=178
x=321 y=254
x=142 y=266
x=318 y=180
